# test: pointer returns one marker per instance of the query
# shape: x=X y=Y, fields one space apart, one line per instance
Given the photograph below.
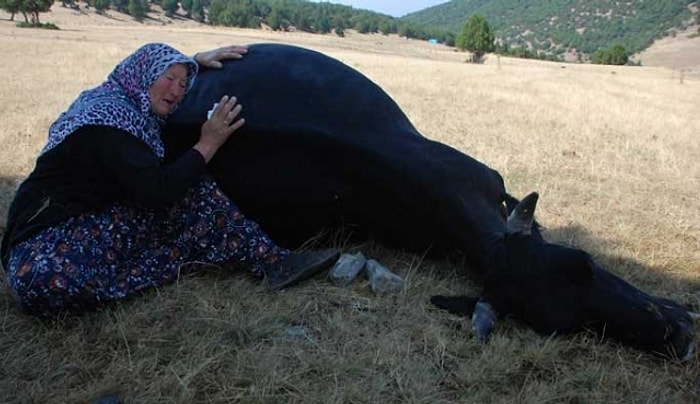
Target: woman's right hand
x=219 y=127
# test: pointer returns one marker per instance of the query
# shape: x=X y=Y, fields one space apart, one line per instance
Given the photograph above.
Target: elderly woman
x=101 y=217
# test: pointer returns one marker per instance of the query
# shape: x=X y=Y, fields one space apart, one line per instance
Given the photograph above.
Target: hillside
x=558 y=26
x=103 y=27
x=679 y=51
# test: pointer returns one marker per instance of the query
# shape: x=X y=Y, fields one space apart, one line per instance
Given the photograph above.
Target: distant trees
x=34 y=7
x=120 y=5
x=30 y=9
x=169 y=7
x=615 y=55
x=312 y=17
x=523 y=52
x=12 y=7
x=299 y=15
x=197 y=11
x=138 y=9
x=476 y=37
x=100 y=5
x=187 y=6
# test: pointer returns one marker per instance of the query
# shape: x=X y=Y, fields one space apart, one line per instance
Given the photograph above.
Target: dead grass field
x=613 y=151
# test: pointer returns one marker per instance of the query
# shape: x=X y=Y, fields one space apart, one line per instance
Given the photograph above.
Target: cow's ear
x=523 y=215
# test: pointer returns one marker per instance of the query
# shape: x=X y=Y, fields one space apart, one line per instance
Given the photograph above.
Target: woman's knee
x=42 y=290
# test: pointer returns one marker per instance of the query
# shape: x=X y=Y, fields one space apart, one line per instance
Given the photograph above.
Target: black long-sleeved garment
x=90 y=169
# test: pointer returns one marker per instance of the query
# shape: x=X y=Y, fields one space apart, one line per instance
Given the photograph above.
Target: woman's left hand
x=212 y=59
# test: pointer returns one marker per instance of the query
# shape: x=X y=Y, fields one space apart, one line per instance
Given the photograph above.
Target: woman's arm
x=129 y=165
x=212 y=59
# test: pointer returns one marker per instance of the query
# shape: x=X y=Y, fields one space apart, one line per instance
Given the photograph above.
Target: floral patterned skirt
x=111 y=254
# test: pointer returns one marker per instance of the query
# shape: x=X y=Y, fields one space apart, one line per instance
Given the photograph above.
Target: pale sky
x=396 y=8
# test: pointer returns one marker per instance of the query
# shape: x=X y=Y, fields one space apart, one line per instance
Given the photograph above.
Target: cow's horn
x=694 y=316
x=521 y=218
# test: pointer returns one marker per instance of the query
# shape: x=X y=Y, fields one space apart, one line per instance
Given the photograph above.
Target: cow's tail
x=459 y=305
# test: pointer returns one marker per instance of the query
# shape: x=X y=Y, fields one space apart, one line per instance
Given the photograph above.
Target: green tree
x=137 y=9
x=13 y=7
x=121 y=5
x=407 y=30
x=362 y=26
x=449 y=39
x=28 y=7
x=476 y=37
x=170 y=7
x=215 y=12
x=100 y=5
x=197 y=11
x=301 y=22
x=320 y=21
x=615 y=55
x=385 y=27
x=618 y=55
x=187 y=6
x=274 y=20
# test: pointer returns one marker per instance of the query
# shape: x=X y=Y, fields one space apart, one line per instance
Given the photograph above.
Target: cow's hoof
x=483 y=320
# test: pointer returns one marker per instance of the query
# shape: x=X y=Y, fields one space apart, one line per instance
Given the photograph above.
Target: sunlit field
x=613 y=151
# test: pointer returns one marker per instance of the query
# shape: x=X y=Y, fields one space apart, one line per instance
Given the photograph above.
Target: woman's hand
x=212 y=59
x=217 y=129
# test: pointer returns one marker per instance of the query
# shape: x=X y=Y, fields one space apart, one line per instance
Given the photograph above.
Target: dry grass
x=613 y=152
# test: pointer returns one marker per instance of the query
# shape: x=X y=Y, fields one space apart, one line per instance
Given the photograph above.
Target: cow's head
x=557 y=289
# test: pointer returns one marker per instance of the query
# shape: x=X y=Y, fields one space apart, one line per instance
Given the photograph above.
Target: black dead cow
x=323 y=145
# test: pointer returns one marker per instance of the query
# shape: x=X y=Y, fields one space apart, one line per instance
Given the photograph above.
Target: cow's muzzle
x=655 y=324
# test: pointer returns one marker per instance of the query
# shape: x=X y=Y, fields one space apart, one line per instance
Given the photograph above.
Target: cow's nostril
x=691 y=353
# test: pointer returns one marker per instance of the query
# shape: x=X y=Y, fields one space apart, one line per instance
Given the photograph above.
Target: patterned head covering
x=123 y=101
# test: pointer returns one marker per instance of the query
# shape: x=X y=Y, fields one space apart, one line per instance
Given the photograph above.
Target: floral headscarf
x=123 y=101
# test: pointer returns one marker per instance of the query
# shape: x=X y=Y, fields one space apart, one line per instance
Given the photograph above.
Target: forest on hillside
x=288 y=15
x=556 y=26
x=544 y=29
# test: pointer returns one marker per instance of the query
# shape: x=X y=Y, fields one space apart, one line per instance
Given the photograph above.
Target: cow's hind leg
x=459 y=305
x=482 y=314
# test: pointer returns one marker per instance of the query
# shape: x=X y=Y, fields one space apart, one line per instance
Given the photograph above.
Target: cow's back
x=289 y=89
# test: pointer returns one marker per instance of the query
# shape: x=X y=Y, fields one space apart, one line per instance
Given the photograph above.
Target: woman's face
x=168 y=90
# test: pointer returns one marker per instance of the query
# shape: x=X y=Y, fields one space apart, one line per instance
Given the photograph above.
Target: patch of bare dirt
x=678 y=52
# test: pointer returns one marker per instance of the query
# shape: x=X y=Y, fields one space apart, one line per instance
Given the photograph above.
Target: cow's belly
x=296 y=187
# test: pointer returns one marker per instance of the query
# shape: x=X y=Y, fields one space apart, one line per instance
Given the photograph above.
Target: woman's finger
x=237 y=124
x=236 y=110
x=225 y=105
